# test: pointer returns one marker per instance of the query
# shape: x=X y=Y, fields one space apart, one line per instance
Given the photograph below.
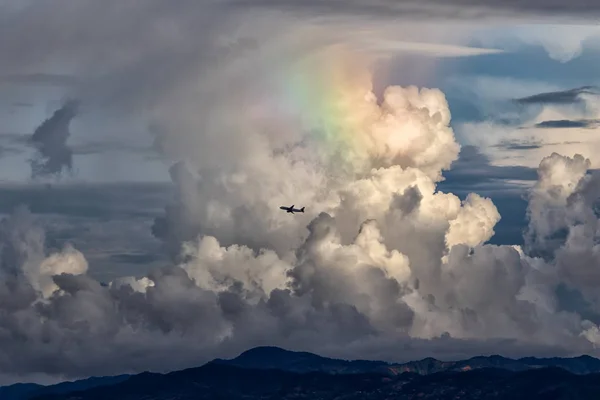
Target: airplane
x=291 y=209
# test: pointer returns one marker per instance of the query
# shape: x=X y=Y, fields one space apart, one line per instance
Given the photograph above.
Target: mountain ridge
x=220 y=381
x=25 y=391
x=270 y=359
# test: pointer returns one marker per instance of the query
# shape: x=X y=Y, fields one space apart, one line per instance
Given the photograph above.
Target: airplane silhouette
x=291 y=209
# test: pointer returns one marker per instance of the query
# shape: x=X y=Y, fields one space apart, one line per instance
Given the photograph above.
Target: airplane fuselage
x=292 y=210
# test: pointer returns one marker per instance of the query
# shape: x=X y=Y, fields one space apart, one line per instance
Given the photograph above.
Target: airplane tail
x=302 y=209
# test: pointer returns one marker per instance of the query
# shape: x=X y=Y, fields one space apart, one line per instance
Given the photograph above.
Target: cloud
x=565 y=123
x=381 y=263
x=229 y=202
x=24 y=249
x=344 y=299
x=436 y=8
x=560 y=97
x=560 y=121
x=383 y=48
x=109 y=223
x=516 y=145
x=562 y=42
x=475 y=167
x=50 y=138
x=139 y=74
x=255 y=112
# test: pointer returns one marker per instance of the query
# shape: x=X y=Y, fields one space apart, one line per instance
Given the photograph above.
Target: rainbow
x=326 y=94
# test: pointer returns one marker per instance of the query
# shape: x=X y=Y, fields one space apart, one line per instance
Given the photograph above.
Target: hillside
x=215 y=381
x=271 y=372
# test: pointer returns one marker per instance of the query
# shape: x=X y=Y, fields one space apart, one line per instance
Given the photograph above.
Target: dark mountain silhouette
x=578 y=365
x=296 y=361
x=218 y=381
x=274 y=373
x=25 y=391
x=19 y=391
x=302 y=362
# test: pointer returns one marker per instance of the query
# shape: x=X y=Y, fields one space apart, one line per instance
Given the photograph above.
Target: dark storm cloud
x=50 y=139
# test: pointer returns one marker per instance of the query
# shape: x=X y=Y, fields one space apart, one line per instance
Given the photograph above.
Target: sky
x=445 y=152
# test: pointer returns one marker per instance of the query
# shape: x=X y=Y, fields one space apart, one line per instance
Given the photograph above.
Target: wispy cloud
x=475 y=167
x=388 y=47
x=518 y=145
x=560 y=97
x=566 y=123
x=561 y=121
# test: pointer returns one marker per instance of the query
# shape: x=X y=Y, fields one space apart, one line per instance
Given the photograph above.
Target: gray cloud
x=472 y=172
x=174 y=312
x=179 y=223
x=408 y=201
x=436 y=8
x=143 y=69
x=517 y=145
x=380 y=260
x=110 y=223
x=566 y=123
x=562 y=97
x=50 y=139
